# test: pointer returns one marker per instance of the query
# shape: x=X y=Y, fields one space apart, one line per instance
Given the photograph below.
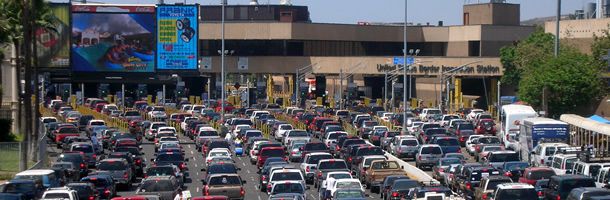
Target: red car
x=228 y=107
x=532 y=174
x=64 y=132
x=270 y=152
x=485 y=126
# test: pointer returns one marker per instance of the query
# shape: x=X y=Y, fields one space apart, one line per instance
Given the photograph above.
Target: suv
x=308 y=166
x=560 y=186
x=428 y=155
x=165 y=186
x=514 y=191
x=119 y=169
x=64 y=193
x=472 y=178
x=488 y=185
x=587 y=192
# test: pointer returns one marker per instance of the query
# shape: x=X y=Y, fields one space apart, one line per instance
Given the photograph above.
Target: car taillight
x=508 y=174
x=242 y=192
x=182 y=166
x=542 y=161
x=307 y=169
x=459 y=150
x=394 y=194
x=468 y=186
x=539 y=193
x=263 y=178
x=91 y=197
x=206 y=191
x=82 y=165
x=484 y=196
x=337 y=148
x=107 y=193
x=557 y=197
x=419 y=157
x=269 y=187
x=319 y=174
x=285 y=158
x=94 y=156
x=125 y=175
x=138 y=161
x=462 y=139
x=349 y=159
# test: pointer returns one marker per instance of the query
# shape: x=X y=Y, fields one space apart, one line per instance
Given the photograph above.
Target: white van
x=427 y=112
x=46 y=176
x=258 y=113
x=560 y=163
x=602 y=178
x=587 y=169
x=543 y=152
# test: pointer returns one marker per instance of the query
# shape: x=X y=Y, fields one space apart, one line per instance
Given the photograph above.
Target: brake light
x=484 y=196
x=94 y=156
x=459 y=150
x=82 y=165
x=264 y=178
x=107 y=193
x=419 y=157
x=542 y=161
x=319 y=174
x=91 y=197
x=307 y=169
x=468 y=186
x=508 y=174
x=182 y=166
x=138 y=161
x=337 y=148
x=394 y=194
x=349 y=159
x=557 y=197
x=285 y=159
x=269 y=187
x=206 y=191
x=539 y=193
x=125 y=175
x=242 y=192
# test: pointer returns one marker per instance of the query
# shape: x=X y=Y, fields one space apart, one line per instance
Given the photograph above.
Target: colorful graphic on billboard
x=113 y=38
x=177 y=37
x=53 y=44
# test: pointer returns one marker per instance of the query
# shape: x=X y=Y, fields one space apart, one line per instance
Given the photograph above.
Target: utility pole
x=222 y=62
x=557 y=28
x=341 y=88
x=385 y=91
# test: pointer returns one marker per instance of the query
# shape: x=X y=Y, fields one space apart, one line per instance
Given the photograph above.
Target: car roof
x=35 y=172
x=515 y=186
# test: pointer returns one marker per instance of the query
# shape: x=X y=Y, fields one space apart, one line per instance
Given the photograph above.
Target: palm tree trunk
x=36 y=111
x=26 y=106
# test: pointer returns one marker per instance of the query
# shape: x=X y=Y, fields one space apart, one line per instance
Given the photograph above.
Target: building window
x=474 y=48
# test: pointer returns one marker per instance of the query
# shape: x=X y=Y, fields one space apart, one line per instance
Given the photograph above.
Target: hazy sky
x=419 y=11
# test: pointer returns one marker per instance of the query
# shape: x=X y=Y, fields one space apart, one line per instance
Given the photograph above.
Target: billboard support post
x=163 y=98
x=222 y=63
x=82 y=89
x=123 y=95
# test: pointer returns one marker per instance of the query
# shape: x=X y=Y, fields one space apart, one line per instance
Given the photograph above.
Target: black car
x=83 y=121
x=388 y=181
x=399 y=189
x=356 y=158
x=104 y=184
x=171 y=158
x=77 y=159
x=136 y=156
x=514 y=169
x=130 y=159
x=85 y=190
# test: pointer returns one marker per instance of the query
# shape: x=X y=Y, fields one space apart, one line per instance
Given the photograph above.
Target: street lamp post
x=222 y=61
x=404 y=55
x=449 y=74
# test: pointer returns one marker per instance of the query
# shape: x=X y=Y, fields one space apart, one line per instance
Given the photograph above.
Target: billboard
x=53 y=44
x=177 y=37
x=113 y=38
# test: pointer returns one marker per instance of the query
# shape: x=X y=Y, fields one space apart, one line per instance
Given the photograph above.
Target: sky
x=419 y=11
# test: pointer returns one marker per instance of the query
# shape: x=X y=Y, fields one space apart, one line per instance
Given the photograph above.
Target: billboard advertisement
x=177 y=38
x=113 y=38
x=53 y=44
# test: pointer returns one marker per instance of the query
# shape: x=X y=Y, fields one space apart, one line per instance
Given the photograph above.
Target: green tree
x=526 y=56
x=571 y=79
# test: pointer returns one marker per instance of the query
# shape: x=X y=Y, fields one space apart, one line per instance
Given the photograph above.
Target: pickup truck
x=64 y=132
x=378 y=170
x=488 y=186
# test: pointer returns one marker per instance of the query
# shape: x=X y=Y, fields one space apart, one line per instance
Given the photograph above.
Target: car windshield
x=447 y=142
x=222 y=169
x=169 y=157
x=297 y=134
x=348 y=194
x=405 y=184
x=503 y=157
x=431 y=150
x=272 y=152
x=160 y=171
x=157 y=186
x=288 y=188
x=518 y=194
x=315 y=158
x=286 y=176
x=111 y=166
x=384 y=165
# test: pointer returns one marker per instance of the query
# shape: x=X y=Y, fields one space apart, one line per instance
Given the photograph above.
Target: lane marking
x=259 y=197
x=194 y=159
x=244 y=164
x=312 y=197
x=195 y=164
x=248 y=171
x=191 y=152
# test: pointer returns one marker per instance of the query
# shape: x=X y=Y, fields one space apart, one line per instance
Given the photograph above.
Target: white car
x=295 y=135
x=238 y=128
x=336 y=176
x=473 y=113
x=454 y=122
x=414 y=126
x=151 y=131
x=166 y=140
x=64 y=193
x=166 y=129
x=195 y=109
x=281 y=131
x=169 y=145
x=331 y=137
x=184 y=123
x=470 y=145
x=292 y=187
x=216 y=153
x=282 y=175
x=343 y=184
x=427 y=112
x=158 y=112
x=310 y=161
x=447 y=118
x=186 y=107
x=258 y=113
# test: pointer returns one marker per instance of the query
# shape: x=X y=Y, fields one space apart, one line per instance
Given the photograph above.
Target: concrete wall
x=492 y=13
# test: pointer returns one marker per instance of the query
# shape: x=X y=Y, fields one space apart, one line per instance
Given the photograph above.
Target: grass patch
x=9 y=161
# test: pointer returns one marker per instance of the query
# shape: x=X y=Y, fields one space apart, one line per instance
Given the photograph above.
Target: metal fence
x=9 y=156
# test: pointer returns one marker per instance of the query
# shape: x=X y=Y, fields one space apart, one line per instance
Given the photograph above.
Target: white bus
x=511 y=116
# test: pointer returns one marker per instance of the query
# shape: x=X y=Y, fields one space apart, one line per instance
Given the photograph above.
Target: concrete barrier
x=412 y=171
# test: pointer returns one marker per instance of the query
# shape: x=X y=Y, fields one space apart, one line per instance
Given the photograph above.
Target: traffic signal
x=180 y=92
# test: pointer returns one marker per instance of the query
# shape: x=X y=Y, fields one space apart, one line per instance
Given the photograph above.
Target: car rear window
x=518 y=194
x=489 y=140
x=431 y=150
x=169 y=157
x=447 y=142
x=540 y=174
x=57 y=196
x=465 y=126
x=111 y=166
x=272 y=152
x=316 y=158
x=332 y=165
x=286 y=176
x=336 y=135
x=288 y=188
x=83 y=148
x=567 y=185
x=157 y=186
x=207 y=133
x=409 y=142
x=98 y=182
x=160 y=171
x=478 y=174
x=297 y=134
x=384 y=165
x=369 y=151
x=503 y=157
x=315 y=146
